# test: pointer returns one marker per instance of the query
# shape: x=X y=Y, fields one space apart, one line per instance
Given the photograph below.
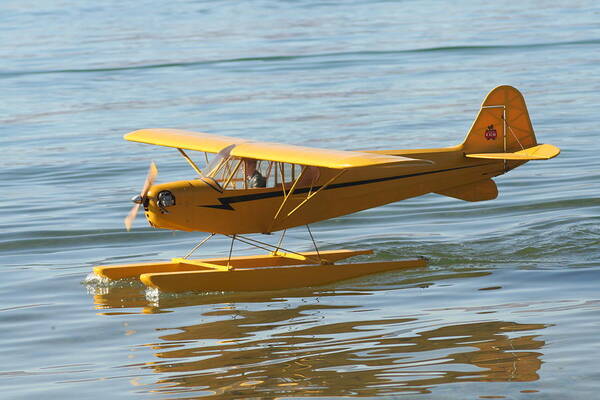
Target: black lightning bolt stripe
x=226 y=201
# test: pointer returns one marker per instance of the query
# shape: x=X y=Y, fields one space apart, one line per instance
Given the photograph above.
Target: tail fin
x=502 y=125
x=503 y=130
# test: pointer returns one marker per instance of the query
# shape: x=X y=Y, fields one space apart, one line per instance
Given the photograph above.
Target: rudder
x=502 y=125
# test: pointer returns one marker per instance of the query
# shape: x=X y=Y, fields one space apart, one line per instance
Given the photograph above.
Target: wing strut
x=308 y=196
x=287 y=195
x=190 y=161
x=311 y=195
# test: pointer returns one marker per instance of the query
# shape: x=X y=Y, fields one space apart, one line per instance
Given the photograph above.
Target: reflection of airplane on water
x=333 y=360
x=285 y=351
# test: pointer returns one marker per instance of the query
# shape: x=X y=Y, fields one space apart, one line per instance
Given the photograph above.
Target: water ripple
x=268 y=59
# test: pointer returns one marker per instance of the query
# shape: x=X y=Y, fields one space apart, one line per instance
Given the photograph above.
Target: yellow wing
x=182 y=139
x=337 y=159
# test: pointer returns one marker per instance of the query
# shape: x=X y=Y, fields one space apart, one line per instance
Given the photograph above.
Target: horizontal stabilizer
x=476 y=191
x=539 y=152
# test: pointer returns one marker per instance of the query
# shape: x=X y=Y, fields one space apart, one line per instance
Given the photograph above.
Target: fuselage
x=201 y=205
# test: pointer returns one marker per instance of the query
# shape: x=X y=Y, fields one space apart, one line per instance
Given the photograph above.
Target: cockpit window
x=217 y=161
x=247 y=173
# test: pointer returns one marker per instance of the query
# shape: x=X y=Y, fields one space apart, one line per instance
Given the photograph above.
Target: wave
x=187 y=64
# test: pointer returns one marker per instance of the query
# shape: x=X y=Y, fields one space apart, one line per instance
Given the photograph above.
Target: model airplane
x=258 y=187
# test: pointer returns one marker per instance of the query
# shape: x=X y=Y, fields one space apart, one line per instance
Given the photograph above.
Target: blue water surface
x=507 y=308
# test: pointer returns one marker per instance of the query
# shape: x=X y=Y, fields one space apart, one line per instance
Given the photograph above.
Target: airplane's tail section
x=503 y=130
x=502 y=134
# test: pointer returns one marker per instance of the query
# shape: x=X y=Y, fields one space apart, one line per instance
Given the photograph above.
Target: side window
x=246 y=173
x=289 y=173
x=243 y=173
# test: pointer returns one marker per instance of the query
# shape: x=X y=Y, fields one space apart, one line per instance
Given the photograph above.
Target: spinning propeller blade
x=131 y=216
x=139 y=200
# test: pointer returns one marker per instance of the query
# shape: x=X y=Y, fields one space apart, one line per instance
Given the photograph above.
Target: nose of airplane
x=137 y=199
x=173 y=205
x=165 y=198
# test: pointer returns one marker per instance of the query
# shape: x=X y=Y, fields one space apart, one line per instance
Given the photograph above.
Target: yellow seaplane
x=251 y=187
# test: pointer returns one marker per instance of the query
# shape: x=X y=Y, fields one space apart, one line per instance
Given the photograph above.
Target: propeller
x=139 y=199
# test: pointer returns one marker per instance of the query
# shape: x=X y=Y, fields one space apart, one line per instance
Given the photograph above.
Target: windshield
x=213 y=167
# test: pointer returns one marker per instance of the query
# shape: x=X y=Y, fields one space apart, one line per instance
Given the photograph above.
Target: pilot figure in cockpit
x=253 y=177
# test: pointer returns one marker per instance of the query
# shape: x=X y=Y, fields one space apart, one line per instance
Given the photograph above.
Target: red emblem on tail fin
x=490 y=133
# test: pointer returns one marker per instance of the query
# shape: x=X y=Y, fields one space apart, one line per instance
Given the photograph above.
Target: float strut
x=314 y=244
